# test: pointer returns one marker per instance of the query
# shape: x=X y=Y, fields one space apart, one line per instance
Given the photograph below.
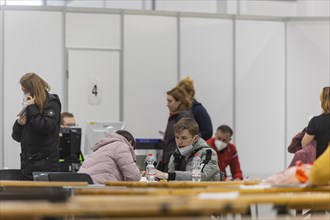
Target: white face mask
x=185 y=151
x=220 y=145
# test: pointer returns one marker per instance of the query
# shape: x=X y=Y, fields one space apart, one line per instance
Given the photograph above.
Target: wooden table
x=169 y=199
x=160 y=205
x=243 y=189
x=182 y=184
x=118 y=206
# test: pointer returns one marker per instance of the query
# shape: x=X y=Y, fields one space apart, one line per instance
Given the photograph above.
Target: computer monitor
x=95 y=130
x=70 y=153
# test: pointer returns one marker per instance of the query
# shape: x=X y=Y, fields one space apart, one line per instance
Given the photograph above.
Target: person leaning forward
x=188 y=144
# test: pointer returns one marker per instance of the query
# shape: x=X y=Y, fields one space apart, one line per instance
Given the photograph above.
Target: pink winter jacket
x=306 y=154
x=113 y=159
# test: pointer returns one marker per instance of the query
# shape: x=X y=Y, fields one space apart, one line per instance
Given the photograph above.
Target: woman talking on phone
x=37 y=127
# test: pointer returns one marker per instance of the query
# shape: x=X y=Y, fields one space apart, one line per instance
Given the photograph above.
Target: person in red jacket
x=226 y=151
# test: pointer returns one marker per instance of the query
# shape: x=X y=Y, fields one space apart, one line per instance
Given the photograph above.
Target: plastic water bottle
x=150 y=168
x=196 y=171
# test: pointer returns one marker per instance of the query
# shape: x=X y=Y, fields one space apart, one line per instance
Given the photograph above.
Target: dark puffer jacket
x=39 y=138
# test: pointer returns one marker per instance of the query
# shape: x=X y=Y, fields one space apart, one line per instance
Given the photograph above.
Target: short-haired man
x=226 y=151
x=188 y=144
x=67 y=120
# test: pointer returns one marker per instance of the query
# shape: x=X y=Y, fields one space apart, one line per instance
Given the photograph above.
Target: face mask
x=184 y=151
x=220 y=145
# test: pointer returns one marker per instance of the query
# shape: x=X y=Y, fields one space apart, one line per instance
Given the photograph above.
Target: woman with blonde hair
x=319 y=126
x=200 y=114
x=37 y=127
x=179 y=106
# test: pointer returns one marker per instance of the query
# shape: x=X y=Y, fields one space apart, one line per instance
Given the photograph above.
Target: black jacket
x=203 y=120
x=39 y=138
x=169 y=144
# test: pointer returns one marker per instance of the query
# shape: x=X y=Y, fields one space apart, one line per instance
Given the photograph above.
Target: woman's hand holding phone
x=30 y=100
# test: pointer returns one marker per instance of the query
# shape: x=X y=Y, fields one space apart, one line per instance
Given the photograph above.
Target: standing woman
x=179 y=106
x=199 y=112
x=37 y=128
x=319 y=126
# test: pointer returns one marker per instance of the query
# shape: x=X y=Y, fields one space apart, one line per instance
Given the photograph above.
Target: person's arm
x=295 y=144
x=309 y=134
x=307 y=139
x=235 y=167
x=17 y=131
x=172 y=174
x=161 y=175
x=208 y=170
x=126 y=164
x=211 y=167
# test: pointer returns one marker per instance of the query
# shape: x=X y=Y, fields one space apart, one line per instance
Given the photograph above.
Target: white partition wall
x=209 y=6
x=206 y=55
x=307 y=72
x=260 y=96
x=150 y=69
x=94 y=85
x=84 y=30
x=94 y=88
x=86 y=3
x=29 y=48
x=1 y=90
x=93 y=41
x=127 y=4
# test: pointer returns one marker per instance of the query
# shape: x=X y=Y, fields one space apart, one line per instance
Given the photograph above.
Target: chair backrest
x=70 y=177
x=10 y=174
x=41 y=176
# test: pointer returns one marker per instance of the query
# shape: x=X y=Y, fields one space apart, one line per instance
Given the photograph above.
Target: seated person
x=226 y=151
x=188 y=144
x=113 y=159
x=67 y=120
x=316 y=174
x=306 y=154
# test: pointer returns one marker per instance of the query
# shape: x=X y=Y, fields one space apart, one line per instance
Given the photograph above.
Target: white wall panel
x=84 y=68
x=86 y=3
x=268 y=8
x=1 y=90
x=29 y=48
x=207 y=57
x=260 y=100
x=313 y=8
x=308 y=72
x=150 y=69
x=209 y=6
x=125 y=4
x=93 y=30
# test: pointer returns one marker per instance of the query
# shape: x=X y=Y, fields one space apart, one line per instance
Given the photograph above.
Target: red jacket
x=228 y=156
